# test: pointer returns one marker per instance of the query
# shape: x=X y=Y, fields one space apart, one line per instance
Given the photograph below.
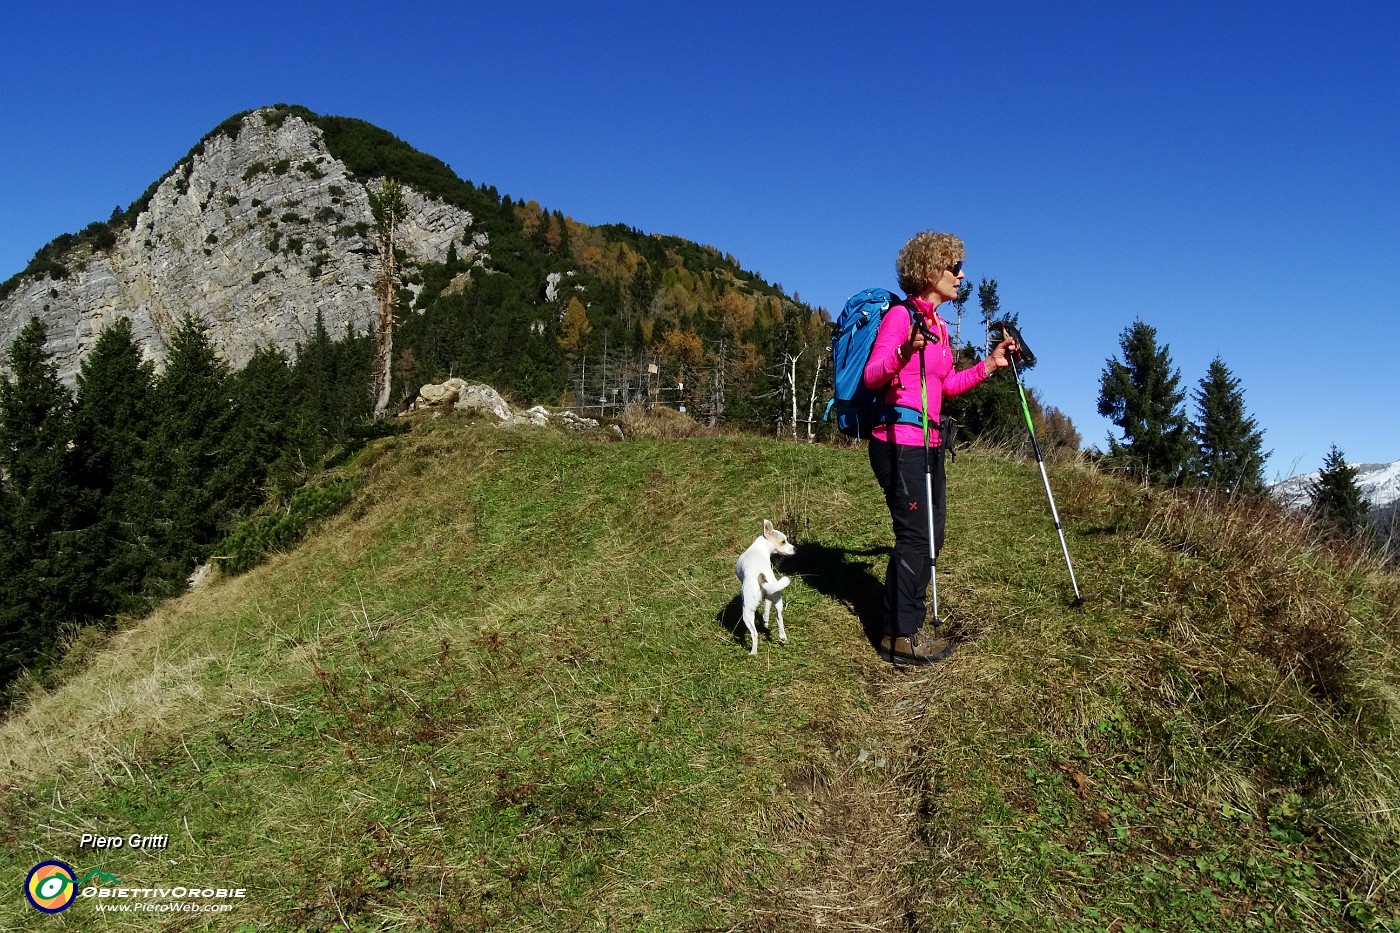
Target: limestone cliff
x=254 y=234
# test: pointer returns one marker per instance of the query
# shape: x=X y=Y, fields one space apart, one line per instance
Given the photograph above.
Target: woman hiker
x=911 y=335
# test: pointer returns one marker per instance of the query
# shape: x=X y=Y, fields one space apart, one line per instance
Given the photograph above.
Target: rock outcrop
x=255 y=235
x=460 y=395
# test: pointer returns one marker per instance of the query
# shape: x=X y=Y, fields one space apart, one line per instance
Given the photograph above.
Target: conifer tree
x=642 y=289
x=964 y=293
x=315 y=378
x=328 y=382
x=194 y=411
x=992 y=411
x=9 y=572
x=990 y=303
x=113 y=419
x=1140 y=395
x=42 y=585
x=1337 y=504
x=1230 y=456
x=1056 y=429
x=262 y=431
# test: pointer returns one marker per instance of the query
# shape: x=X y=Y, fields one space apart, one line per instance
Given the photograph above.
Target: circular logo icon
x=51 y=886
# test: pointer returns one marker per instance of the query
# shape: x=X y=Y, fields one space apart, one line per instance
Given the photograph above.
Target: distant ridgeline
x=266 y=227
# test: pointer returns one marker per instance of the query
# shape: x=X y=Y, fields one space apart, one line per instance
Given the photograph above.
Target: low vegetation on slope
x=506 y=690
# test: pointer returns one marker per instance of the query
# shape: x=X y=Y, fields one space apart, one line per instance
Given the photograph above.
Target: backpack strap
x=902 y=414
x=890 y=413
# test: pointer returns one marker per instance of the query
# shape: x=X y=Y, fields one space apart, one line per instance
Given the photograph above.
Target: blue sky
x=1228 y=173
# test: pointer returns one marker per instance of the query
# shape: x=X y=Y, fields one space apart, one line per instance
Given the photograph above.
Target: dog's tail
x=772 y=588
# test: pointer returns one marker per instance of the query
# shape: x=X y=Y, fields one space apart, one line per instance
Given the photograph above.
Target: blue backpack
x=858 y=408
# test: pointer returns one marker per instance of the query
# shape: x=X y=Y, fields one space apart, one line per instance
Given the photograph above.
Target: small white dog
x=759 y=583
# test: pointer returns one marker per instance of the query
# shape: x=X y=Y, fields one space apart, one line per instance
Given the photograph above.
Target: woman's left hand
x=999 y=358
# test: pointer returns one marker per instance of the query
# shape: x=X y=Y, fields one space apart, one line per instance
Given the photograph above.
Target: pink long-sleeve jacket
x=900 y=379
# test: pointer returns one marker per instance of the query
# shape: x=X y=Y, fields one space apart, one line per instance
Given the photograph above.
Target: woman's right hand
x=1001 y=356
x=915 y=343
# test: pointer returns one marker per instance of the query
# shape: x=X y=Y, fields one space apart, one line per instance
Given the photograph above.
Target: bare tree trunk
x=717 y=386
x=387 y=206
x=792 y=387
x=812 y=402
x=384 y=352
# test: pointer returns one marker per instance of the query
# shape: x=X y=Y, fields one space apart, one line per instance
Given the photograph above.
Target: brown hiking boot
x=915 y=649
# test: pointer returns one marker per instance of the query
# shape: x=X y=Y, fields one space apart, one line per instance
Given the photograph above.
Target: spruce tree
x=330 y=381
x=1230 y=456
x=262 y=430
x=43 y=587
x=1140 y=395
x=641 y=290
x=12 y=607
x=314 y=377
x=1337 y=504
x=113 y=419
x=194 y=411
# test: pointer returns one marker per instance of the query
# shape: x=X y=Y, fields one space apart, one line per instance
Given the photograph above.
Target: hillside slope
x=505 y=691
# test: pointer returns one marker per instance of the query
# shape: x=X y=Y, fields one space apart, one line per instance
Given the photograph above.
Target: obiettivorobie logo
x=52 y=886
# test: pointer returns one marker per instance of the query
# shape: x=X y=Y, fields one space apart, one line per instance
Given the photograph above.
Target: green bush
x=265 y=534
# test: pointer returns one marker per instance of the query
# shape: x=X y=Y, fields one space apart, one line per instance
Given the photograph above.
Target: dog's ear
x=767 y=527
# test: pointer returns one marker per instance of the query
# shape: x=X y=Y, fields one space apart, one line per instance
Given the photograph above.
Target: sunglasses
x=956 y=268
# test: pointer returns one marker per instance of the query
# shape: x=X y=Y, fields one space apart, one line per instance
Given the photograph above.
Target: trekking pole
x=928 y=481
x=1009 y=330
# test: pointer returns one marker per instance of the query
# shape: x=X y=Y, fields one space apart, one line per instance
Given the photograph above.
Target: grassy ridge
x=505 y=691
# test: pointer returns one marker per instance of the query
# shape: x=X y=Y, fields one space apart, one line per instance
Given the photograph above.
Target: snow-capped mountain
x=1379 y=484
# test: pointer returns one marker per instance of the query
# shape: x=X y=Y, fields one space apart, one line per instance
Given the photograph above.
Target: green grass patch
x=504 y=687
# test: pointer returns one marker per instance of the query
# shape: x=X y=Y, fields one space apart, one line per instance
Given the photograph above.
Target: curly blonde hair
x=924 y=258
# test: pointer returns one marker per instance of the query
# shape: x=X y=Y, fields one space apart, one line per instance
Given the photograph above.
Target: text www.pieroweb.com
x=163 y=900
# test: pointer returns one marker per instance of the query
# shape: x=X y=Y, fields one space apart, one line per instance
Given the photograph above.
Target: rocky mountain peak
x=256 y=233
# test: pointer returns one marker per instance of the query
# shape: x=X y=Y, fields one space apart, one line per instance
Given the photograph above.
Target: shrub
x=265 y=534
x=660 y=423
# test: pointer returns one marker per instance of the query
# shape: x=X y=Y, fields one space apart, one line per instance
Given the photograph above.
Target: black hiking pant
x=899 y=469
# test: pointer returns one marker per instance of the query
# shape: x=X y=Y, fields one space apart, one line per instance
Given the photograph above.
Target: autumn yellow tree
x=734 y=316
x=684 y=353
x=574 y=328
x=530 y=215
x=683 y=348
x=553 y=233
